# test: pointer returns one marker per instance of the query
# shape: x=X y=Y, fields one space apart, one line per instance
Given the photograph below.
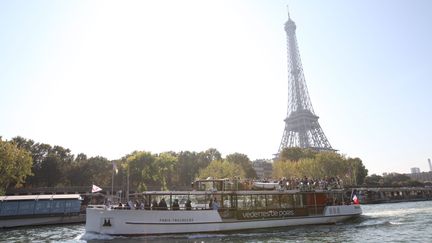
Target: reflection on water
x=402 y=222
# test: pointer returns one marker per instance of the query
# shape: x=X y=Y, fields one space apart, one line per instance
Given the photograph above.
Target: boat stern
x=352 y=210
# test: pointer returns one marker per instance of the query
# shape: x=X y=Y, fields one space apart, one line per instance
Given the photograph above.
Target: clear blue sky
x=110 y=77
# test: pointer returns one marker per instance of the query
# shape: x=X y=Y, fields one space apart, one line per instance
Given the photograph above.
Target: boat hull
x=148 y=222
x=34 y=221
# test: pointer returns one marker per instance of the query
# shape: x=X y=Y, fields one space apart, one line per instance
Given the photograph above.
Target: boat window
x=210 y=185
x=154 y=201
x=230 y=185
x=72 y=206
x=200 y=201
x=273 y=201
x=178 y=201
x=183 y=201
x=58 y=206
x=258 y=201
x=218 y=185
x=146 y=200
x=203 y=186
x=334 y=199
x=244 y=202
x=42 y=207
x=77 y=206
x=26 y=207
x=228 y=201
x=321 y=199
x=310 y=199
x=298 y=200
x=9 y=208
x=158 y=204
x=287 y=201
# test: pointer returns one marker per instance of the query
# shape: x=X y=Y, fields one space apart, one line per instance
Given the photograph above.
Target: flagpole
x=112 y=186
x=127 y=186
x=91 y=197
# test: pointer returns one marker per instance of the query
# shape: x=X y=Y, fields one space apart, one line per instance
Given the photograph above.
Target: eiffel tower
x=301 y=124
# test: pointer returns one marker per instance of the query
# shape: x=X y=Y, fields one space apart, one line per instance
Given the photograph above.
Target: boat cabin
x=234 y=203
x=37 y=205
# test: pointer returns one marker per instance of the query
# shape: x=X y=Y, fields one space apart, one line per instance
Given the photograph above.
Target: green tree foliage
x=243 y=162
x=146 y=168
x=15 y=165
x=312 y=164
x=165 y=163
x=142 y=169
x=374 y=180
x=55 y=166
x=187 y=168
x=357 y=172
x=95 y=170
x=204 y=158
x=391 y=180
x=295 y=154
x=81 y=157
x=222 y=169
x=50 y=164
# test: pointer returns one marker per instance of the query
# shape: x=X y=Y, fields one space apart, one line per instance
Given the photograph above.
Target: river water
x=393 y=222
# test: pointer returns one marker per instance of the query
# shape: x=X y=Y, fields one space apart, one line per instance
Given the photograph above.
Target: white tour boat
x=232 y=209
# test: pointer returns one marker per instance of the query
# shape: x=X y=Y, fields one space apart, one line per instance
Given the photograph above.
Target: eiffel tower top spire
x=301 y=124
x=288 y=12
x=298 y=94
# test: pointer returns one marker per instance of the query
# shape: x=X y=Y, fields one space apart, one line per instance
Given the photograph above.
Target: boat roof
x=40 y=197
x=210 y=179
x=250 y=192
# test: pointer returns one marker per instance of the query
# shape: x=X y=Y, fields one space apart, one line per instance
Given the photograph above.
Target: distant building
x=430 y=165
x=263 y=168
x=415 y=170
x=422 y=177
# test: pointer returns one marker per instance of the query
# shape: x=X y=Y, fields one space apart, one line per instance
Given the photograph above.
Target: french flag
x=355 y=199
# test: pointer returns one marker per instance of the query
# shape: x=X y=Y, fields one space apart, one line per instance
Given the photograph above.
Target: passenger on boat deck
x=188 y=205
x=215 y=205
x=147 y=205
x=154 y=205
x=175 y=205
x=163 y=205
x=130 y=205
x=211 y=204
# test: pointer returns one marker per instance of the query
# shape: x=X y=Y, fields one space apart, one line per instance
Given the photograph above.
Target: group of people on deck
x=162 y=205
x=307 y=184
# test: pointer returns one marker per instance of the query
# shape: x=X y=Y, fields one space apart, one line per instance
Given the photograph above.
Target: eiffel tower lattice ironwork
x=301 y=124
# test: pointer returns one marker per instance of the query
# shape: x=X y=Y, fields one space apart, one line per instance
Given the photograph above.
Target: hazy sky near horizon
x=110 y=77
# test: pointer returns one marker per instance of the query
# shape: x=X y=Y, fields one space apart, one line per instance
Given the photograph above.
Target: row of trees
x=24 y=162
x=32 y=164
x=392 y=180
x=55 y=166
x=298 y=163
x=170 y=169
